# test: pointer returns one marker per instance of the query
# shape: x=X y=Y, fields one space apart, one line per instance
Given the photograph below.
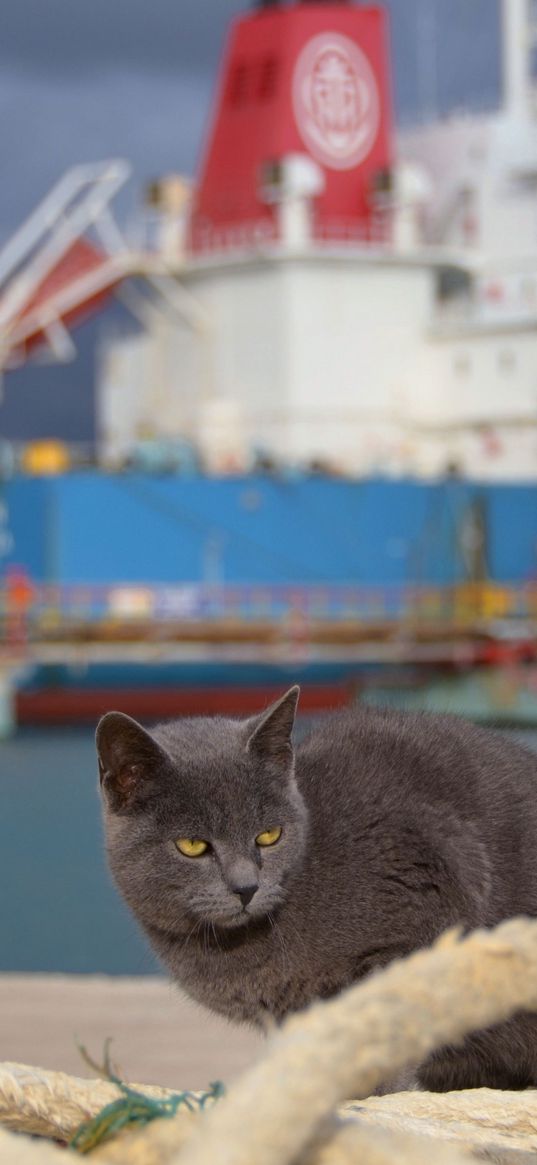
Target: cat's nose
x=245 y=893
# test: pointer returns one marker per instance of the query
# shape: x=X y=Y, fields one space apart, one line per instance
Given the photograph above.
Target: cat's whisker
x=277 y=932
x=298 y=940
x=215 y=936
x=194 y=930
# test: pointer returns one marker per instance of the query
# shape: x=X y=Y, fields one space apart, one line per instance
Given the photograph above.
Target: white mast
x=427 y=59
x=519 y=35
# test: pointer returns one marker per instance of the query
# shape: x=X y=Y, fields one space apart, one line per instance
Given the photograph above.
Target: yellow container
x=41 y=458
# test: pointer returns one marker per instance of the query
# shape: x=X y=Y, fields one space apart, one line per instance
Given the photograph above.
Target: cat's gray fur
x=395 y=827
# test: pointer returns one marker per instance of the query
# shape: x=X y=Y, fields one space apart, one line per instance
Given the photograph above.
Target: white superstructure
x=417 y=357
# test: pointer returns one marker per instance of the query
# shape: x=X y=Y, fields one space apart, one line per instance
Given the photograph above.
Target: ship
x=317 y=452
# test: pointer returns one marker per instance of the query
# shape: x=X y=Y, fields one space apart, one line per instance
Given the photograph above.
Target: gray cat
x=266 y=878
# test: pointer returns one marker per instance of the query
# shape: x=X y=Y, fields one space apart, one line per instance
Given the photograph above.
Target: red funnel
x=309 y=79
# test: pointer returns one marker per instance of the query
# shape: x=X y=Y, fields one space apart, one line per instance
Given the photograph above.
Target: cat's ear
x=129 y=760
x=269 y=735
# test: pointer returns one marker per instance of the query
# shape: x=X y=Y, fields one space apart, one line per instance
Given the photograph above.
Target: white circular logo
x=336 y=101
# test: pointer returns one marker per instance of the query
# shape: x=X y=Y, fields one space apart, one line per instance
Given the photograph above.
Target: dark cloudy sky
x=82 y=80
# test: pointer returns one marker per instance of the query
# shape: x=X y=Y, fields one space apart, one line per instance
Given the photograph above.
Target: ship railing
x=250 y=234
x=375 y=233
x=263 y=232
x=74 y=611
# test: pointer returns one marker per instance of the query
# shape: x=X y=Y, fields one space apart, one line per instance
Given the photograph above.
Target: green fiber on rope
x=133 y=1108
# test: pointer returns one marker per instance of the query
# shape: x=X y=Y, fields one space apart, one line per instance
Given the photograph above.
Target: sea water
x=59 y=910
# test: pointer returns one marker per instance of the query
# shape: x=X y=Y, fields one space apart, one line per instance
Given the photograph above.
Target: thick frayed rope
x=282 y=1111
x=348 y=1046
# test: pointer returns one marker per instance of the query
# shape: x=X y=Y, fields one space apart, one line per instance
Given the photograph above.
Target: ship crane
x=65 y=262
x=51 y=274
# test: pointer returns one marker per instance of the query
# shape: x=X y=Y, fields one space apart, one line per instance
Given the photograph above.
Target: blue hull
x=93 y=528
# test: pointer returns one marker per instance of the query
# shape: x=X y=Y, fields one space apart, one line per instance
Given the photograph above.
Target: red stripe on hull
x=61 y=706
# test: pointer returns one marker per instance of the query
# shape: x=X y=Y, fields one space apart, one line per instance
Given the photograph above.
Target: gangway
x=66 y=260
x=51 y=274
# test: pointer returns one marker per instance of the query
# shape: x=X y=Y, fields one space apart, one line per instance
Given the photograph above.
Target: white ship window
x=452 y=283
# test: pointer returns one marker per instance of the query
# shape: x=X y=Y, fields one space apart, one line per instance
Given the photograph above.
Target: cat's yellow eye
x=191 y=847
x=269 y=836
